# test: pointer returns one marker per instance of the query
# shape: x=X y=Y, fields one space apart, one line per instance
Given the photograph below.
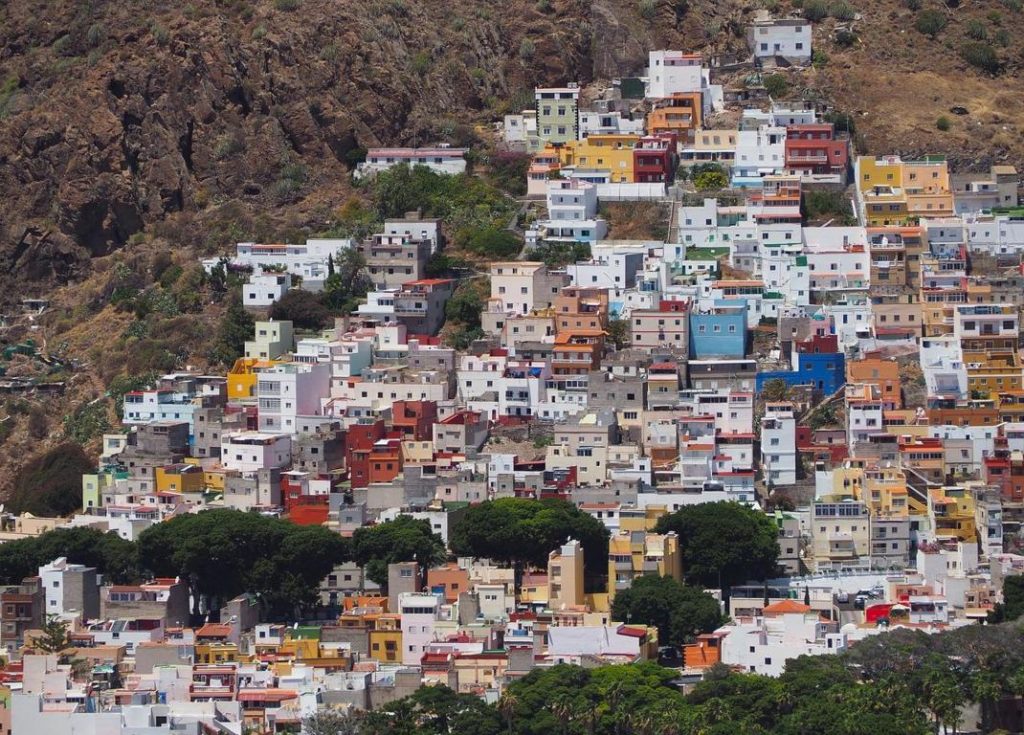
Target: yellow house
x=242 y=377
x=386 y=642
x=179 y=478
x=953 y=513
x=641 y=519
x=637 y=553
x=893 y=191
x=565 y=576
x=216 y=652
x=990 y=373
x=612 y=152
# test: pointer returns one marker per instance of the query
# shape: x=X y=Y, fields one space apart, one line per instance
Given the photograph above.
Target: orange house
x=679 y=114
x=385 y=460
x=885 y=374
x=705 y=652
x=450 y=578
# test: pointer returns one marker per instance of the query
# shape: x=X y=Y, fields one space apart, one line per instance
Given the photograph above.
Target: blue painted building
x=720 y=332
x=825 y=371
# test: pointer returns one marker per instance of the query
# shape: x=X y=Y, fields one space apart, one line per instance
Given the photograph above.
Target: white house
x=419 y=619
x=673 y=72
x=789 y=38
x=778 y=444
x=441 y=160
x=572 y=214
x=249 y=451
x=290 y=390
x=264 y=289
x=787 y=630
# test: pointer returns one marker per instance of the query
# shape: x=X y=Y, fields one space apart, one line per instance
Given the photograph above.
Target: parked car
x=843 y=598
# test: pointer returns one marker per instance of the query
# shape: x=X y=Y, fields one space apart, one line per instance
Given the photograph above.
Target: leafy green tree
x=618 y=333
x=775 y=85
x=222 y=553
x=489 y=242
x=723 y=544
x=1013 y=597
x=51 y=483
x=678 y=612
x=236 y=326
x=403 y=539
x=775 y=389
x=710 y=181
x=302 y=308
x=520 y=532
x=53 y=638
x=348 y=283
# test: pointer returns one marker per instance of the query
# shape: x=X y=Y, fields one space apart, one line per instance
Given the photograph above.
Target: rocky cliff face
x=114 y=116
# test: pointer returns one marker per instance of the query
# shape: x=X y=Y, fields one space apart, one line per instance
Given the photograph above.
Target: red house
x=814 y=149
x=654 y=159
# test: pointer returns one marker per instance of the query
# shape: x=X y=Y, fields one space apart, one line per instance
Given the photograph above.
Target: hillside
x=128 y=130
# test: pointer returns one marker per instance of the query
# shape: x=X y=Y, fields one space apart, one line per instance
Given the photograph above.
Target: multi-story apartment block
x=557 y=111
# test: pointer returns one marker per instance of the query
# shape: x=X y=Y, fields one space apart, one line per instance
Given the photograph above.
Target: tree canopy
x=51 y=483
x=302 y=308
x=112 y=556
x=677 y=611
x=403 y=539
x=223 y=553
x=724 y=543
x=523 y=532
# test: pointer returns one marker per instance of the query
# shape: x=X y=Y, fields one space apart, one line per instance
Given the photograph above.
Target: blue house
x=720 y=332
x=825 y=371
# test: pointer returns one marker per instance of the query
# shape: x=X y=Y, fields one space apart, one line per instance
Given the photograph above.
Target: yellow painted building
x=612 y=152
x=242 y=377
x=386 y=645
x=217 y=653
x=641 y=519
x=179 y=478
x=989 y=373
x=892 y=191
x=636 y=554
x=952 y=513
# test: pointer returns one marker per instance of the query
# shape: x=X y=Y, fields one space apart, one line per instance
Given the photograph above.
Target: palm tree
x=614 y=697
x=507 y=707
x=987 y=691
x=562 y=709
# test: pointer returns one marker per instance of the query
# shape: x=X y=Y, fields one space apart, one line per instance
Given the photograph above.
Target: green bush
x=981 y=55
x=943 y=123
x=490 y=242
x=815 y=10
x=302 y=308
x=843 y=11
x=1001 y=37
x=160 y=34
x=1014 y=5
x=286 y=5
x=914 y=5
x=775 y=85
x=845 y=38
x=227 y=146
x=526 y=49
x=421 y=63
x=976 y=30
x=819 y=59
x=710 y=181
x=930 y=22
x=647 y=9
